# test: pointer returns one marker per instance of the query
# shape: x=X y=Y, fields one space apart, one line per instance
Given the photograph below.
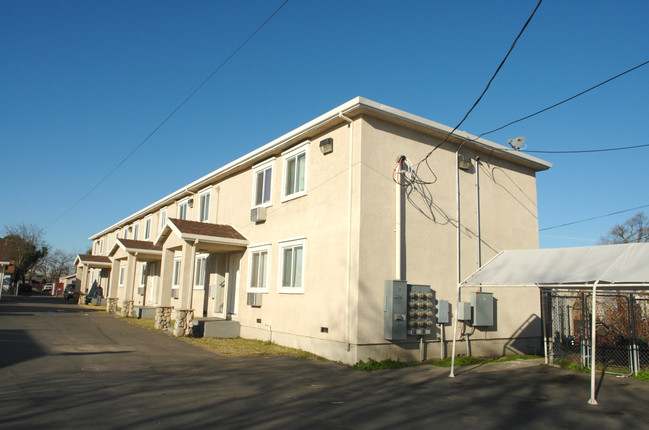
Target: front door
x=218 y=292
x=152 y=284
x=233 y=284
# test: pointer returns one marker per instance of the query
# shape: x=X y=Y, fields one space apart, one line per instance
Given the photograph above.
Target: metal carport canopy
x=620 y=266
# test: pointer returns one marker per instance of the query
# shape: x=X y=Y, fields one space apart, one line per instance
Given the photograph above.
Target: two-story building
x=296 y=239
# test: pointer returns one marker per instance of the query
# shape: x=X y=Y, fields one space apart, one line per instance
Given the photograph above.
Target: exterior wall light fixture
x=327 y=146
x=462 y=163
x=190 y=203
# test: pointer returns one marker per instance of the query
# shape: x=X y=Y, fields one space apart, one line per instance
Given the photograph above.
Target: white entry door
x=152 y=284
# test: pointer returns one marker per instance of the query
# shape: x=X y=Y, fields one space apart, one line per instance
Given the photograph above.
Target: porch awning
x=145 y=250
x=224 y=237
x=93 y=261
x=622 y=265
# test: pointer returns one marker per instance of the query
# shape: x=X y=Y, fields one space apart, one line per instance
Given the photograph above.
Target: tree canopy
x=635 y=229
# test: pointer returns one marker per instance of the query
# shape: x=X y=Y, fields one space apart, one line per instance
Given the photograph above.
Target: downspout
x=477 y=189
x=350 y=180
x=459 y=280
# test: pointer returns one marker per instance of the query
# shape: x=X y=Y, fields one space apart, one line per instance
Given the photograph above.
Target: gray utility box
x=443 y=312
x=463 y=311
x=421 y=310
x=395 y=310
x=483 y=309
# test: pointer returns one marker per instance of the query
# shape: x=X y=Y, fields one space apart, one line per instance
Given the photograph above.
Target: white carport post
x=593 y=342
x=457 y=302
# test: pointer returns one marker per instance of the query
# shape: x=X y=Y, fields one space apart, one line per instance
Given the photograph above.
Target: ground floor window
x=292 y=266
x=258 y=269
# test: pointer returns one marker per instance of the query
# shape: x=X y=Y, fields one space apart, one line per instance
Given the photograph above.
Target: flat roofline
x=353 y=106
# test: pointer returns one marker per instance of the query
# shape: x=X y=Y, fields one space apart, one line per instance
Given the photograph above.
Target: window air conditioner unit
x=174 y=293
x=258 y=214
x=254 y=300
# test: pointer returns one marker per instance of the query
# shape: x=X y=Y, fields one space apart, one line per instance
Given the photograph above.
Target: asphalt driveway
x=62 y=366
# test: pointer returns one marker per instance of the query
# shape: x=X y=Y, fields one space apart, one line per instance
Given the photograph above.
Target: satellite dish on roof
x=517 y=143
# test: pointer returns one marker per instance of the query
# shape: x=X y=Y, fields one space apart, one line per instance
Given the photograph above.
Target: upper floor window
x=262 y=183
x=295 y=172
x=147 y=228
x=258 y=269
x=204 y=206
x=162 y=220
x=292 y=266
x=183 y=205
x=136 y=231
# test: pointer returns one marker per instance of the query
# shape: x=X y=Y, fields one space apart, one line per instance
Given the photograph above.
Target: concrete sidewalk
x=62 y=366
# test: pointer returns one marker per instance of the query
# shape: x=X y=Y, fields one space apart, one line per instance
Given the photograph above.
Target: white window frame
x=162 y=220
x=294 y=153
x=107 y=243
x=258 y=250
x=147 y=227
x=136 y=230
x=261 y=169
x=291 y=244
x=175 y=277
x=122 y=275
x=181 y=203
x=200 y=271
x=143 y=274
x=204 y=198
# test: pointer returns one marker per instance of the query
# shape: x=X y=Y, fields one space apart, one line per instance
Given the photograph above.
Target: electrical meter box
x=421 y=310
x=395 y=310
x=443 y=312
x=483 y=309
x=464 y=311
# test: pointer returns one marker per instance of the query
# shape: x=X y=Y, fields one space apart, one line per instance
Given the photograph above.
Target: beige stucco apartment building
x=294 y=241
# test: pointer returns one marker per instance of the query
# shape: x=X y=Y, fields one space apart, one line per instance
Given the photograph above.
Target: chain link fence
x=622 y=327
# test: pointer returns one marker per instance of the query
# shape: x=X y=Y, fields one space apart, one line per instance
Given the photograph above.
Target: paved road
x=62 y=366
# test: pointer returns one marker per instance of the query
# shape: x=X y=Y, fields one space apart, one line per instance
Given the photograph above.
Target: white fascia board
x=304 y=131
x=215 y=239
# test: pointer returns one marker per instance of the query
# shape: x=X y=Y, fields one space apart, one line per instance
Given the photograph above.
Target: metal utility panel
x=483 y=309
x=396 y=294
x=443 y=312
x=464 y=311
x=421 y=310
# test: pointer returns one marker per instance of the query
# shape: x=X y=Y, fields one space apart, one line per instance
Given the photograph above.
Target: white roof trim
x=302 y=132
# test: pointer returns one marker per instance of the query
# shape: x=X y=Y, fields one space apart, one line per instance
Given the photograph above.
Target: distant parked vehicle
x=69 y=292
x=47 y=288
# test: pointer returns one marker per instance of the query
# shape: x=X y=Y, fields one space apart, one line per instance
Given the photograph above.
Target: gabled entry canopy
x=619 y=266
x=145 y=251
x=207 y=236
x=93 y=261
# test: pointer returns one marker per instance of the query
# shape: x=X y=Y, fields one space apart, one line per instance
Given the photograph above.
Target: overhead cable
x=566 y=100
x=511 y=48
x=593 y=218
x=159 y=126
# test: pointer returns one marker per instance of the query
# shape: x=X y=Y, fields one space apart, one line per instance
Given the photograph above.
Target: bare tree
x=56 y=264
x=29 y=247
x=635 y=229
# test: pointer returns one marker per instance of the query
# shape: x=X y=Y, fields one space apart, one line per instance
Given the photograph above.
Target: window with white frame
x=183 y=205
x=291 y=269
x=295 y=172
x=108 y=243
x=143 y=275
x=175 y=284
x=263 y=184
x=258 y=269
x=204 y=206
x=199 y=272
x=147 y=228
x=122 y=274
x=136 y=230
x=162 y=220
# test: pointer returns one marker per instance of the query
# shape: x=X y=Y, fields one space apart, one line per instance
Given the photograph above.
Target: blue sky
x=82 y=83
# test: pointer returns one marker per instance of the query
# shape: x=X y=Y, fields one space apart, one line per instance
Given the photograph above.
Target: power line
x=511 y=48
x=566 y=100
x=155 y=130
x=593 y=218
x=584 y=151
